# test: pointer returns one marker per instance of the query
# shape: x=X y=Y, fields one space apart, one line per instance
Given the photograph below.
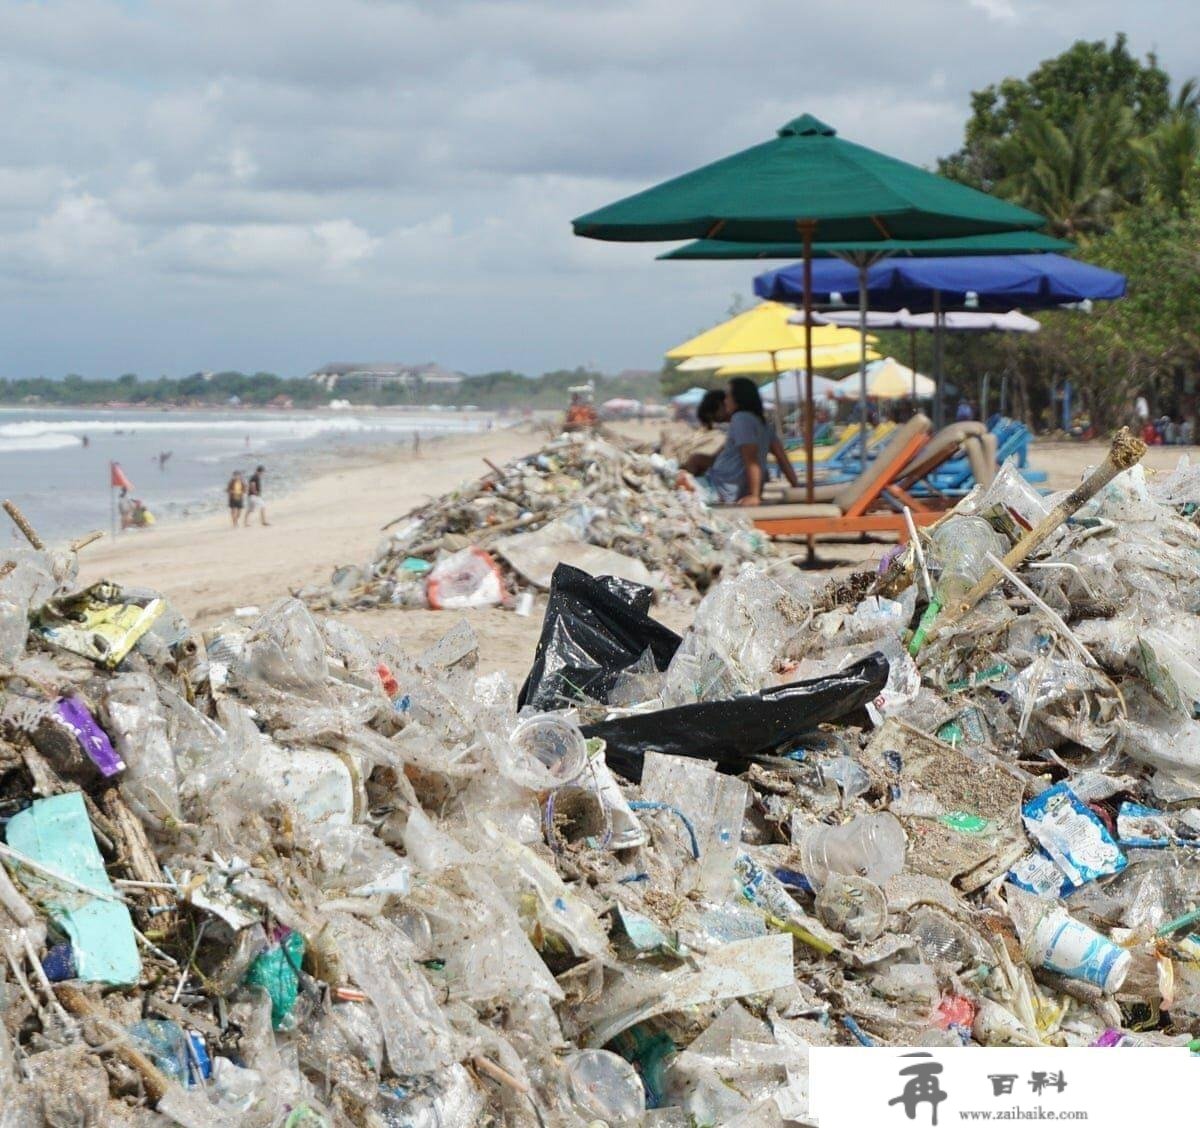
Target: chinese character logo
x=1040 y=1082
x=1002 y=1083
x=921 y=1087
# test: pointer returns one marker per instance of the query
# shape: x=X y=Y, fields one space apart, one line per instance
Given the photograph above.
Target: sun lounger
x=854 y=507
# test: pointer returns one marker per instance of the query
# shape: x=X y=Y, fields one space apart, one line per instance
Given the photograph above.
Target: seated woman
x=710 y=412
x=739 y=472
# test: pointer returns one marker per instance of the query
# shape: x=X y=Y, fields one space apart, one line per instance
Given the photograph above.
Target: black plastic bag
x=732 y=732
x=595 y=627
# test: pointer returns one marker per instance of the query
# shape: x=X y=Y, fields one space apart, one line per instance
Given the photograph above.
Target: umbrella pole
x=862 y=365
x=937 y=358
x=806 y=230
x=912 y=349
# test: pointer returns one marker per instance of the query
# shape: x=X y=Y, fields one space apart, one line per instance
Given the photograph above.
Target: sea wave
x=298 y=427
x=16 y=444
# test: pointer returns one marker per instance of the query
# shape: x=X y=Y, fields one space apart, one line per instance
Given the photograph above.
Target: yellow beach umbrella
x=831 y=356
x=889 y=379
x=763 y=340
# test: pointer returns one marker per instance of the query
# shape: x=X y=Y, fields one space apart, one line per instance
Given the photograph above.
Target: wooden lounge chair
x=969 y=443
x=855 y=506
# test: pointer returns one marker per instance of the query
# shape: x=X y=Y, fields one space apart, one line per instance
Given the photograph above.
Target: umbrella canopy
x=805 y=175
x=763 y=340
x=690 y=398
x=785 y=391
x=889 y=379
x=959 y=321
x=988 y=282
x=830 y=356
x=1001 y=243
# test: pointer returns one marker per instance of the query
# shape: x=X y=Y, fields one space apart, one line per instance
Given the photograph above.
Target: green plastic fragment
x=277 y=971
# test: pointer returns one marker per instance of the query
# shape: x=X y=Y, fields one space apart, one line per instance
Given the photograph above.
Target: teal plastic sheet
x=56 y=833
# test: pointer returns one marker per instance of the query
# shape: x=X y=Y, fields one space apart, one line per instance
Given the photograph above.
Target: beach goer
x=163 y=457
x=965 y=412
x=85 y=440
x=1141 y=411
x=711 y=412
x=235 y=489
x=739 y=471
x=254 y=497
x=125 y=508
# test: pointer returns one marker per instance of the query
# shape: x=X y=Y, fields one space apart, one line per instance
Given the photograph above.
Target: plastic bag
x=733 y=731
x=594 y=628
x=139 y=731
x=466 y=579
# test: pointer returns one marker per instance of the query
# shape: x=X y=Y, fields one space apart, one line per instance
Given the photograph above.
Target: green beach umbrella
x=805 y=182
x=1002 y=243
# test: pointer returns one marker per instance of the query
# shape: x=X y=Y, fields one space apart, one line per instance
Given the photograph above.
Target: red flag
x=117 y=479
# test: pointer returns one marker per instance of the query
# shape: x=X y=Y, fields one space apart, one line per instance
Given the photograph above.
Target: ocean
x=63 y=486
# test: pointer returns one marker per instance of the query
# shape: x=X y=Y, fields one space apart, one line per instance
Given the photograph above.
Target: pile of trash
x=581 y=499
x=280 y=875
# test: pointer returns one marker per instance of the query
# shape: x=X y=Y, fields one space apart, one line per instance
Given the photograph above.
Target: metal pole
x=912 y=341
x=806 y=229
x=862 y=363
x=937 y=358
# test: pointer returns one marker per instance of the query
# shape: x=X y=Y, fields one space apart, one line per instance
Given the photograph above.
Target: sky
x=274 y=185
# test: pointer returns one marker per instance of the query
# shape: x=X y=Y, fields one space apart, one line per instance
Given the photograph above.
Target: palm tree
x=1170 y=155
x=1078 y=177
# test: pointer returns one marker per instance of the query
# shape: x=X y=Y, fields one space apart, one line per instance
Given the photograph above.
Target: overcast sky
x=275 y=184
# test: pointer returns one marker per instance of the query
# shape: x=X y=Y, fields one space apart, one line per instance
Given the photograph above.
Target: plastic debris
x=580 y=500
x=327 y=881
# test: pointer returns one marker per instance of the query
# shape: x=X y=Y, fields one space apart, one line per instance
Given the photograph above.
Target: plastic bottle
x=1063 y=944
x=605 y=1086
x=870 y=846
x=960 y=547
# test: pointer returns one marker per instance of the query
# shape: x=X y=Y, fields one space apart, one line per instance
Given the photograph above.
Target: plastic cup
x=870 y=846
x=606 y=1086
x=1062 y=944
x=553 y=742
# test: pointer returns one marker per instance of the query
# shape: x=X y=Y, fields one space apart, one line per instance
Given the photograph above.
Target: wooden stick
x=1126 y=451
x=157 y=1083
x=87 y=539
x=137 y=854
x=23 y=524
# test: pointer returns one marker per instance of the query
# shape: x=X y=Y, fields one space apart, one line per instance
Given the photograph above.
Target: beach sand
x=208 y=569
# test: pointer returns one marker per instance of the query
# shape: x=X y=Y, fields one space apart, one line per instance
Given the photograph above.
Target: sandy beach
x=208 y=569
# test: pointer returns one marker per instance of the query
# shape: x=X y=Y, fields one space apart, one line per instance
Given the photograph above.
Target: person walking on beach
x=254 y=497
x=236 y=491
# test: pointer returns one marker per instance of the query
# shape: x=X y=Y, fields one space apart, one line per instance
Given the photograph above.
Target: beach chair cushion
x=792 y=510
x=882 y=470
x=940 y=449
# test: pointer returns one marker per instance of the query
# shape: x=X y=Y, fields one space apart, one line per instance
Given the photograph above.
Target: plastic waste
x=593 y=629
x=68 y=872
x=870 y=846
x=959 y=549
x=277 y=971
x=465 y=579
x=605 y=1087
x=732 y=732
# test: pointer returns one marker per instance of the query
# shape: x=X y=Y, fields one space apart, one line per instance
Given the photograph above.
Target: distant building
x=412 y=376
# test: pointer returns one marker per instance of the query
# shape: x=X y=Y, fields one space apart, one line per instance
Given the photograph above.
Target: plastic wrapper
x=139 y=730
x=102 y=623
x=594 y=628
x=463 y=580
x=731 y=733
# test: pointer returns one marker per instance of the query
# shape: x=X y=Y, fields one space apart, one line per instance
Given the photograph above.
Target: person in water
x=739 y=471
x=235 y=489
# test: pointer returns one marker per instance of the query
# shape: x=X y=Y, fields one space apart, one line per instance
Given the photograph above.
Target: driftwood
x=1126 y=451
x=99 y=1030
x=22 y=523
x=136 y=855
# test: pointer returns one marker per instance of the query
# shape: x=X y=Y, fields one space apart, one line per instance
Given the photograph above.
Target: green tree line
x=260 y=389
x=1107 y=147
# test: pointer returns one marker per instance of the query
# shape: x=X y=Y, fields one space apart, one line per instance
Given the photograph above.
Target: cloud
x=266 y=184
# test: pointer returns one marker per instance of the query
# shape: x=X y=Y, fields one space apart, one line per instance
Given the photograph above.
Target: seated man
x=711 y=412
